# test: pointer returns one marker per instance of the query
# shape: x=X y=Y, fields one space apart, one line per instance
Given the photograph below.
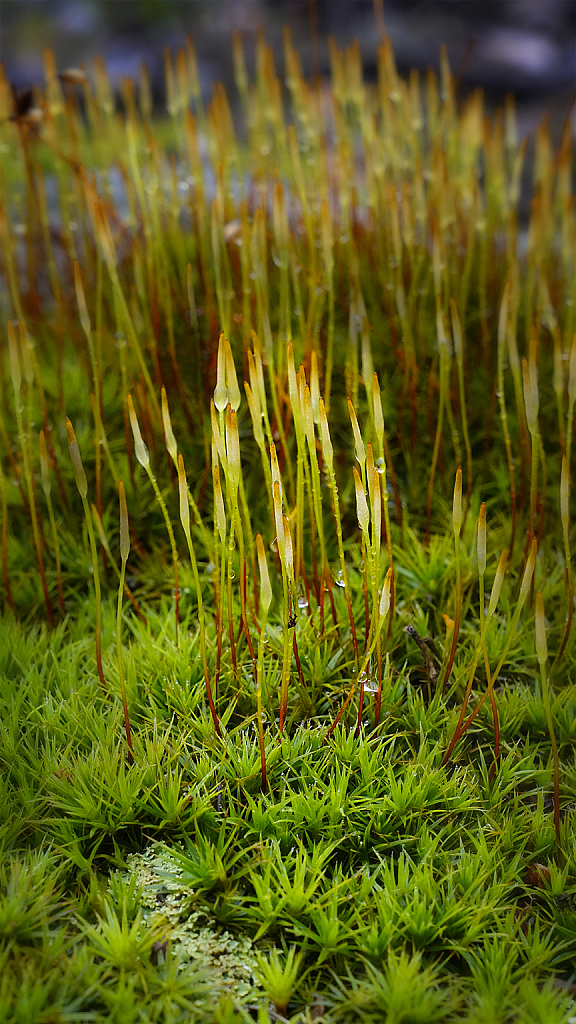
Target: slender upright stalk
x=502 y=337
x=456 y=527
x=542 y=654
x=112 y=561
x=297 y=386
x=109 y=252
x=45 y=474
x=328 y=254
x=384 y=462
x=28 y=474
x=516 y=368
x=531 y=402
x=316 y=495
x=259 y=255
x=383 y=610
x=220 y=527
x=172 y=448
x=281 y=542
x=265 y=602
x=253 y=400
x=494 y=597
x=524 y=588
x=82 y=485
x=227 y=397
x=4 y=501
x=143 y=457
x=459 y=352
x=571 y=402
x=233 y=479
x=124 y=552
x=382 y=467
x=481 y=572
x=282 y=259
x=97 y=404
x=302 y=474
x=444 y=361
x=328 y=453
x=185 y=520
x=375 y=513
x=363 y=517
x=565 y=518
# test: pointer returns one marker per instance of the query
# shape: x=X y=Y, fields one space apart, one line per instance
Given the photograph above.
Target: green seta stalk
x=124 y=552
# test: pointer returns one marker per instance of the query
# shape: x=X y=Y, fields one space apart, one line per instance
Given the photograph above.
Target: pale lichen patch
x=195 y=936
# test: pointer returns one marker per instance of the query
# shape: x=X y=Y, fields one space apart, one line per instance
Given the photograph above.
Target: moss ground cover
x=287 y=658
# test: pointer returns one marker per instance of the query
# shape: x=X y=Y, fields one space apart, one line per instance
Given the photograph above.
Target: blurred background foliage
x=523 y=46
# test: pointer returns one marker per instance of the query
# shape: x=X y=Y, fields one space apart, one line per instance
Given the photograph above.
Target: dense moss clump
x=286 y=669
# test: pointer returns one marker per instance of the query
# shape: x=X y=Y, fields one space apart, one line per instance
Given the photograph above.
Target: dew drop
x=340 y=579
x=302 y=601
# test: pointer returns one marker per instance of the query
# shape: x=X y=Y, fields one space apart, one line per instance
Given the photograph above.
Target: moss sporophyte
x=288 y=381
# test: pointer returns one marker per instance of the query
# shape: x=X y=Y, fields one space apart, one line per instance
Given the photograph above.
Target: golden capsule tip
x=457 y=502
x=540 y=627
x=124 y=528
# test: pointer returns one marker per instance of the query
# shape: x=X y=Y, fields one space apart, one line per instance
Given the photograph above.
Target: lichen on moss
x=193 y=933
